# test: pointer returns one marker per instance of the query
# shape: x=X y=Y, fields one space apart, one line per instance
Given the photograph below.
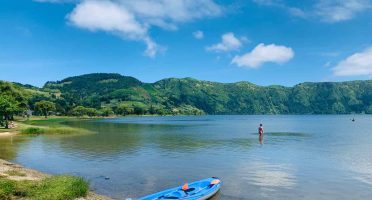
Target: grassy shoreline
x=18 y=182
x=53 y=125
x=41 y=125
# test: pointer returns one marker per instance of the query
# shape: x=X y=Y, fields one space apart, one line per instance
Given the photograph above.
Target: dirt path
x=17 y=172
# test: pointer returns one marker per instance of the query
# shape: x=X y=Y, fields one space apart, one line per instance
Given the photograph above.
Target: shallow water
x=302 y=157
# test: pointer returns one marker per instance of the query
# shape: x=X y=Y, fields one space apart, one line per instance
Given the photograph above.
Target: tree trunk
x=6 y=122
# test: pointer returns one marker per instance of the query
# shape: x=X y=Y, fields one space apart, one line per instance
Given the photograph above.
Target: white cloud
x=358 y=64
x=229 y=43
x=298 y=12
x=111 y=17
x=327 y=64
x=166 y=13
x=198 y=35
x=325 y=10
x=340 y=10
x=264 y=53
x=132 y=19
x=106 y=16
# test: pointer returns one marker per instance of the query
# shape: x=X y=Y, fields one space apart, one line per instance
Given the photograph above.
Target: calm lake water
x=302 y=157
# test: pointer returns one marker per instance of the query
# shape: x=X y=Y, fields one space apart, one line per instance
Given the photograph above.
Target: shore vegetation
x=52 y=188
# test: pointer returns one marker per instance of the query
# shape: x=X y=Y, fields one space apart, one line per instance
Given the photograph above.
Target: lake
x=302 y=156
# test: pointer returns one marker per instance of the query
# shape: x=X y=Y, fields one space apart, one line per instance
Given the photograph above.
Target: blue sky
x=262 y=41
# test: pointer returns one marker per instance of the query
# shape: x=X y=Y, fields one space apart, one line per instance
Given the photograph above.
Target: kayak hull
x=198 y=190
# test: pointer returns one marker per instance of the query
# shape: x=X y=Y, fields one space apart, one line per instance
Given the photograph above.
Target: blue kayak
x=199 y=190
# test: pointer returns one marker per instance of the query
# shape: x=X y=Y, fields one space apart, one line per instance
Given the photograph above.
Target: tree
x=124 y=109
x=152 y=110
x=91 y=112
x=8 y=107
x=79 y=111
x=13 y=100
x=44 y=107
x=338 y=108
x=369 y=109
x=139 y=109
x=106 y=111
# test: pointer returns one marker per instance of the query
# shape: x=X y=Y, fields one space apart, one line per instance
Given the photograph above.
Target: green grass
x=50 y=126
x=33 y=131
x=7 y=188
x=48 y=122
x=53 y=188
x=60 y=188
x=52 y=130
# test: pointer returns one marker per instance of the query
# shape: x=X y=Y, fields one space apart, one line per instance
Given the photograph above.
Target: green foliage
x=6 y=188
x=80 y=111
x=124 y=109
x=106 y=111
x=12 y=101
x=53 y=188
x=95 y=94
x=369 y=109
x=45 y=107
x=91 y=112
x=8 y=106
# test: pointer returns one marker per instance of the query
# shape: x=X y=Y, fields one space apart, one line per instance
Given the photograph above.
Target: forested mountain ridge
x=127 y=95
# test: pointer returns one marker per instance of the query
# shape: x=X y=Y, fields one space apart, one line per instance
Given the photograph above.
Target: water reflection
x=303 y=156
x=114 y=139
x=9 y=146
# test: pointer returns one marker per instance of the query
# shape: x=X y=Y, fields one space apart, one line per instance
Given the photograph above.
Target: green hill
x=127 y=95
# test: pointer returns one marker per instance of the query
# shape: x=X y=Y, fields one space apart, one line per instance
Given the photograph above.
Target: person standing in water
x=261 y=133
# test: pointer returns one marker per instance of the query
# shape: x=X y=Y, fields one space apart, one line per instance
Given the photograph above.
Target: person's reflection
x=260 y=139
x=260 y=133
